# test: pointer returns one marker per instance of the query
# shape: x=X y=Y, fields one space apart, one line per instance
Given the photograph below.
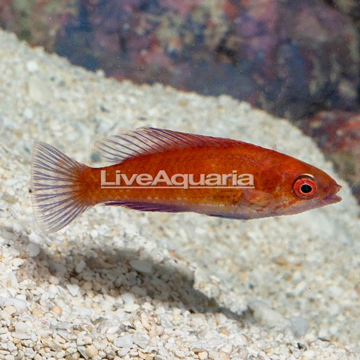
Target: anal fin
x=146 y=206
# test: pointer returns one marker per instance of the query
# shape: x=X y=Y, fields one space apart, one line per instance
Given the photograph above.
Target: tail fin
x=56 y=188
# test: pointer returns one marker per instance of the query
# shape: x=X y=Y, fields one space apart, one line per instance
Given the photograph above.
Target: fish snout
x=332 y=198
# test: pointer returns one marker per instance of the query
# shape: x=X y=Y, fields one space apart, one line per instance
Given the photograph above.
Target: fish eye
x=305 y=187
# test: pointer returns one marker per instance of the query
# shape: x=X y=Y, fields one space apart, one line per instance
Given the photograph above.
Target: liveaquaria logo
x=185 y=181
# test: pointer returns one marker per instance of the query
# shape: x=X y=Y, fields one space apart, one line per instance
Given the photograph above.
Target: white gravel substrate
x=121 y=284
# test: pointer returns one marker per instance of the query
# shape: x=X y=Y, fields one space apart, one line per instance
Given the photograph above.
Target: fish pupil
x=306 y=189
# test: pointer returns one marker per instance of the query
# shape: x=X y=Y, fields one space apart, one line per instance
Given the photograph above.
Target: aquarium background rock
x=337 y=133
x=350 y=8
x=289 y=58
x=120 y=284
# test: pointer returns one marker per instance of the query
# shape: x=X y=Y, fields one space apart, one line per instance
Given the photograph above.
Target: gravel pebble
x=33 y=249
x=91 y=351
x=73 y=289
x=32 y=66
x=266 y=316
x=125 y=341
x=299 y=325
x=142 y=266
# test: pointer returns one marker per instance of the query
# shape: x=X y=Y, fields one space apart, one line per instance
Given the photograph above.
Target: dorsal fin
x=147 y=140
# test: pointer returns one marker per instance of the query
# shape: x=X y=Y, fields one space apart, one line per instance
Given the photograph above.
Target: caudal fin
x=56 y=188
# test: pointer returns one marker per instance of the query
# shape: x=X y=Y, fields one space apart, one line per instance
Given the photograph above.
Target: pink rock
x=337 y=133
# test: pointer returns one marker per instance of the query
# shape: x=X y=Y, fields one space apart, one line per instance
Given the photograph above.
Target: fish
x=160 y=170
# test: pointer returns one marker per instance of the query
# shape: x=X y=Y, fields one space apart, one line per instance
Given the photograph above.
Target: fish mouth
x=333 y=198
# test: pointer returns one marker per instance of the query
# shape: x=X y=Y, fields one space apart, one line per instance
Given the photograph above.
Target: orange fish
x=164 y=170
